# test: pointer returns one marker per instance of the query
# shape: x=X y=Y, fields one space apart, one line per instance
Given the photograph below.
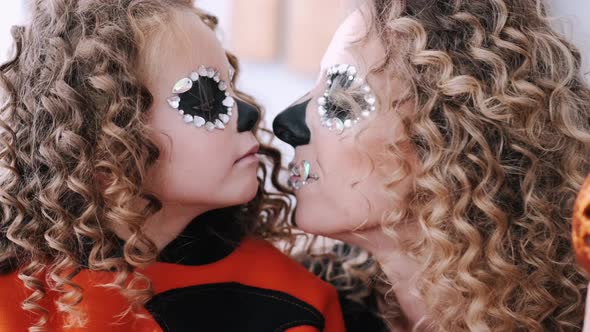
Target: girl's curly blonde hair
x=74 y=118
x=501 y=131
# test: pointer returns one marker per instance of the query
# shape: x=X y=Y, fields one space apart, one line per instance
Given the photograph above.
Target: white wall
x=573 y=20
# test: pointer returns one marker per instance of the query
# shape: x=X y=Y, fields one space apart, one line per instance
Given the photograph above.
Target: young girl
x=129 y=193
x=449 y=139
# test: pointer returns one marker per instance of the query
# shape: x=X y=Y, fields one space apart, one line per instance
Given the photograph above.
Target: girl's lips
x=250 y=155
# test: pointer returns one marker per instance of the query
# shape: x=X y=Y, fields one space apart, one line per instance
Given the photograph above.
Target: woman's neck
x=398 y=267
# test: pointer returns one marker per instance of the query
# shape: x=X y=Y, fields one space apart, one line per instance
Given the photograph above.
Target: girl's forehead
x=181 y=47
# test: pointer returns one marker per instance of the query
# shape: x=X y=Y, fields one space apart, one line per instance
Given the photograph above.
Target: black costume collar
x=207 y=239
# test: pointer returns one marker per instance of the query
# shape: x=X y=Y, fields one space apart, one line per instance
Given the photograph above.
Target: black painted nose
x=290 y=127
x=248 y=116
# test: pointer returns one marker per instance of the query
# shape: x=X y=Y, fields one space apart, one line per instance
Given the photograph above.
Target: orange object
x=581 y=226
x=255 y=264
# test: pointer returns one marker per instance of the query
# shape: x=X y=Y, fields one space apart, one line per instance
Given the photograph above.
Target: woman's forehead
x=352 y=44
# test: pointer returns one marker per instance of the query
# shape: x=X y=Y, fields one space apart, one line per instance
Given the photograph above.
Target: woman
x=129 y=192
x=449 y=139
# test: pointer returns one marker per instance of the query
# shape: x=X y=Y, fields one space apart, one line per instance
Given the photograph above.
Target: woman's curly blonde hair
x=74 y=118
x=501 y=131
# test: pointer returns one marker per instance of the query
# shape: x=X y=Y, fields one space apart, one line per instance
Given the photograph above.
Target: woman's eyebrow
x=300 y=99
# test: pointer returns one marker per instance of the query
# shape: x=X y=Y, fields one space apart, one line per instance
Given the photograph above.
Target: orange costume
x=208 y=279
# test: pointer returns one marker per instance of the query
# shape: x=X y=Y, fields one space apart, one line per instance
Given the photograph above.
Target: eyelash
x=346 y=100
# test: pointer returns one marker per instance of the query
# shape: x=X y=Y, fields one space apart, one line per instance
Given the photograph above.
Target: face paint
x=248 y=116
x=202 y=100
x=290 y=127
x=346 y=100
x=300 y=174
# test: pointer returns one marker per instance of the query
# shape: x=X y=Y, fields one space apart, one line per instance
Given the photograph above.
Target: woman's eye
x=347 y=99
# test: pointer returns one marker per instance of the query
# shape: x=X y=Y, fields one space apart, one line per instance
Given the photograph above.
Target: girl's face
x=342 y=171
x=204 y=133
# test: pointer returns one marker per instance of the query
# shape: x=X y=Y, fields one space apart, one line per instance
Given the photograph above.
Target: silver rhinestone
x=329 y=82
x=222 y=86
x=199 y=121
x=352 y=70
x=321 y=110
x=226 y=93
x=337 y=125
x=366 y=113
x=366 y=88
x=326 y=94
x=228 y=101
x=347 y=123
x=322 y=101
x=216 y=77
x=350 y=78
x=370 y=99
x=181 y=112
x=174 y=101
x=194 y=76
x=295 y=182
x=373 y=108
x=342 y=69
x=210 y=72
x=224 y=118
x=202 y=71
x=328 y=123
x=182 y=85
x=210 y=126
x=219 y=124
x=232 y=72
x=188 y=118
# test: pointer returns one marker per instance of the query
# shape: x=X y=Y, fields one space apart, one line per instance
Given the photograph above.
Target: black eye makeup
x=202 y=99
x=347 y=99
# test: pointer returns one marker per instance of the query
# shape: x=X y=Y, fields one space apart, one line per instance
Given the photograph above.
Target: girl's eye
x=202 y=99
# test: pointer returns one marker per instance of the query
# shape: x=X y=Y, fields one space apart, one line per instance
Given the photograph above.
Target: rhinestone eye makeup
x=347 y=99
x=202 y=99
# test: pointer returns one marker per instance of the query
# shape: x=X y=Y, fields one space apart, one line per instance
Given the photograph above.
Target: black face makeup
x=346 y=100
x=202 y=100
x=248 y=116
x=290 y=127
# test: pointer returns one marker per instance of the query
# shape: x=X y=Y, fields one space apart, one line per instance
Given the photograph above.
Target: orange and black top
x=207 y=279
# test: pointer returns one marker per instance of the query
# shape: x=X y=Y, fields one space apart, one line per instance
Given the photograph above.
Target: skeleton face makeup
x=204 y=133
x=340 y=134
x=202 y=100
x=346 y=100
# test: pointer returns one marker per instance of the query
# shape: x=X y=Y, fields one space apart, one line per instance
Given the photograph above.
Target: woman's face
x=341 y=167
x=207 y=147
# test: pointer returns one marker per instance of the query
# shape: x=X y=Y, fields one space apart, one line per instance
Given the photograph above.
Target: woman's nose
x=248 y=116
x=290 y=127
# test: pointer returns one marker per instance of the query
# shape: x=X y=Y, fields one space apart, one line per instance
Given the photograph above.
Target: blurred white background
x=288 y=69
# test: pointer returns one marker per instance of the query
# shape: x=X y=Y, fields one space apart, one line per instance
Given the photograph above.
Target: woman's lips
x=300 y=174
